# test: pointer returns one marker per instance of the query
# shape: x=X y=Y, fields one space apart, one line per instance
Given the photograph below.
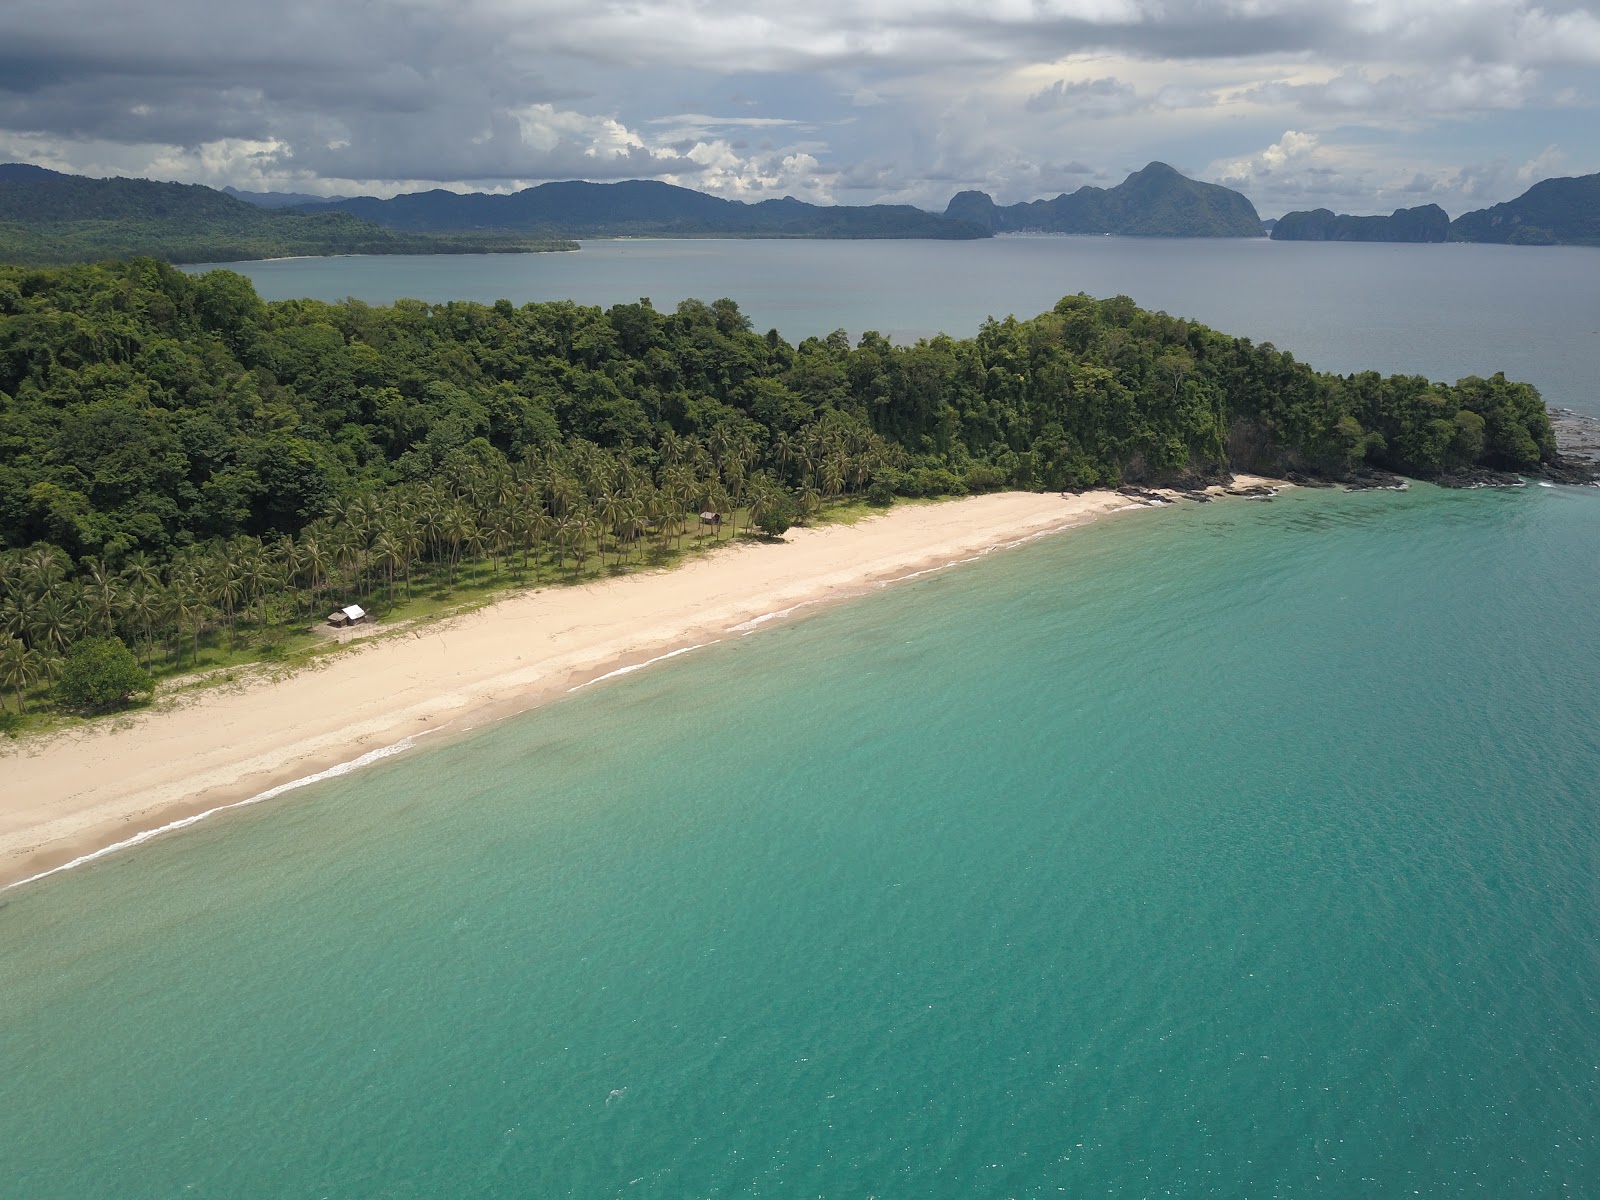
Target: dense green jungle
x=199 y=475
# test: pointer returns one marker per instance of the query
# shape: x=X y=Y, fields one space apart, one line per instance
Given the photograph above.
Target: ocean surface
x=1246 y=849
x=1444 y=311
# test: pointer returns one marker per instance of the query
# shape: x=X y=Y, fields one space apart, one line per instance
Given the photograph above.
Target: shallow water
x=1240 y=849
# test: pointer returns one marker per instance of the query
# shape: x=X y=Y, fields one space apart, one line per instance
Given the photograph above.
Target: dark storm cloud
x=890 y=97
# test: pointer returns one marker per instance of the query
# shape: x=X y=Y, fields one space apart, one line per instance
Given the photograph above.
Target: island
x=1157 y=201
x=1426 y=223
x=1553 y=212
x=47 y=217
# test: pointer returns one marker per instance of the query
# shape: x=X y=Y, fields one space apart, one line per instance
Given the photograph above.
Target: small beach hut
x=351 y=614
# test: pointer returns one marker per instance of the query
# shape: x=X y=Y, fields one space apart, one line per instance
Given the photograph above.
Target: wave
x=629 y=670
x=138 y=839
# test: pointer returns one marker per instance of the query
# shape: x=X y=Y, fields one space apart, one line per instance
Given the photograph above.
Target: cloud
x=1301 y=171
x=1104 y=97
x=899 y=99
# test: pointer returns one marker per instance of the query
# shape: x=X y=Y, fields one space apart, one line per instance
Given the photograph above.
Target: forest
x=198 y=475
x=47 y=217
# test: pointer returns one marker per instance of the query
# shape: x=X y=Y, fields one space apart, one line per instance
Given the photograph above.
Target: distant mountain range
x=280 y=199
x=1554 y=212
x=643 y=208
x=1155 y=202
x=47 y=217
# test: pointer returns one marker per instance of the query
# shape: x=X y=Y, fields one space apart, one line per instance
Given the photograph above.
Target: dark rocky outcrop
x=1155 y=202
x=1551 y=212
x=1429 y=223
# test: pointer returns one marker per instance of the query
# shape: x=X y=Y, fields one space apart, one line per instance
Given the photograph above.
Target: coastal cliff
x=1427 y=223
x=1155 y=202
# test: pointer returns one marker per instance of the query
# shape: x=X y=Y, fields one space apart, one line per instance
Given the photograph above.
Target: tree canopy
x=175 y=453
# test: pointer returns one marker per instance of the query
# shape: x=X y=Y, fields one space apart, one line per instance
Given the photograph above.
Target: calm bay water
x=1246 y=849
x=1442 y=311
x=1236 y=850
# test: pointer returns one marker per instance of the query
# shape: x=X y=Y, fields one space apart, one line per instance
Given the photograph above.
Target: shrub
x=102 y=673
x=775 y=518
x=880 y=493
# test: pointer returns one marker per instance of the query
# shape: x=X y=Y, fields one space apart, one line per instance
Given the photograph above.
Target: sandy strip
x=71 y=795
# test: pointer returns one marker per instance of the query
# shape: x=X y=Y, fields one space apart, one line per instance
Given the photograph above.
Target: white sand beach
x=72 y=794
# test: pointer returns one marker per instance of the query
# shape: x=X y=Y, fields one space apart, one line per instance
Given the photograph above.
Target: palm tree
x=144 y=606
x=226 y=585
x=610 y=508
x=20 y=669
x=102 y=597
x=189 y=606
x=313 y=562
x=388 y=553
x=455 y=527
x=52 y=624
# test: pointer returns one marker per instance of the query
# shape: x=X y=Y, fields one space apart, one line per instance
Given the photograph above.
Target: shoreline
x=75 y=797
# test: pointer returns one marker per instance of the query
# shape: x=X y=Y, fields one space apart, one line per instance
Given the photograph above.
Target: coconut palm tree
x=101 y=596
x=20 y=668
x=143 y=607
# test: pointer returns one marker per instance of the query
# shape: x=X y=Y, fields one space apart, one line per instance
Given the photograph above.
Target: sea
x=1241 y=850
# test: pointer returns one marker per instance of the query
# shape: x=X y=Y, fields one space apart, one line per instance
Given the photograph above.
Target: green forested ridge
x=1551 y=212
x=182 y=464
x=644 y=207
x=1425 y=223
x=1157 y=201
x=47 y=217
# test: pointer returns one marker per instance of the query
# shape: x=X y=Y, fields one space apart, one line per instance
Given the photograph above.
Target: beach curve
x=71 y=798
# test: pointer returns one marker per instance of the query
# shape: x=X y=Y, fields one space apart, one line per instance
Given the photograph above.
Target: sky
x=1361 y=107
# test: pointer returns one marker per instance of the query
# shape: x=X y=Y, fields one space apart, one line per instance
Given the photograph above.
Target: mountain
x=279 y=199
x=1427 y=223
x=1551 y=213
x=1155 y=202
x=640 y=207
x=48 y=217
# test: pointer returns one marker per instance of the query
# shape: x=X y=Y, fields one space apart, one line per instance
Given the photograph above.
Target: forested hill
x=143 y=410
x=179 y=460
x=47 y=217
x=1551 y=212
x=1155 y=202
x=640 y=207
x=1427 y=223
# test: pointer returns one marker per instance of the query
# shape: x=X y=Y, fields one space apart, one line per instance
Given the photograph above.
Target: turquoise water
x=1235 y=850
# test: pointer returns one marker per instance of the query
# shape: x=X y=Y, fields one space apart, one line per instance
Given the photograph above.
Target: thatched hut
x=350 y=614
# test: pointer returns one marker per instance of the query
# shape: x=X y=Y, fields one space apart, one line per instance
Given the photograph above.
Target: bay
x=1444 y=311
x=1245 y=849
x=1241 y=849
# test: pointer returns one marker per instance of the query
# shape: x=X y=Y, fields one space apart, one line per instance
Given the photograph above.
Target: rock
x=1310 y=481
x=1366 y=480
x=1481 y=477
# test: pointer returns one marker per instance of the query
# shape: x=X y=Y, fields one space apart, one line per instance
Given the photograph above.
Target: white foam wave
x=629 y=670
x=755 y=623
x=139 y=839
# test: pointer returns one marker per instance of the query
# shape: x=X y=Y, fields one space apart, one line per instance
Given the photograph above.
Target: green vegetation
x=101 y=673
x=1551 y=212
x=1426 y=223
x=204 y=475
x=645 y=207
x=1155 y=202
x=46 y=217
